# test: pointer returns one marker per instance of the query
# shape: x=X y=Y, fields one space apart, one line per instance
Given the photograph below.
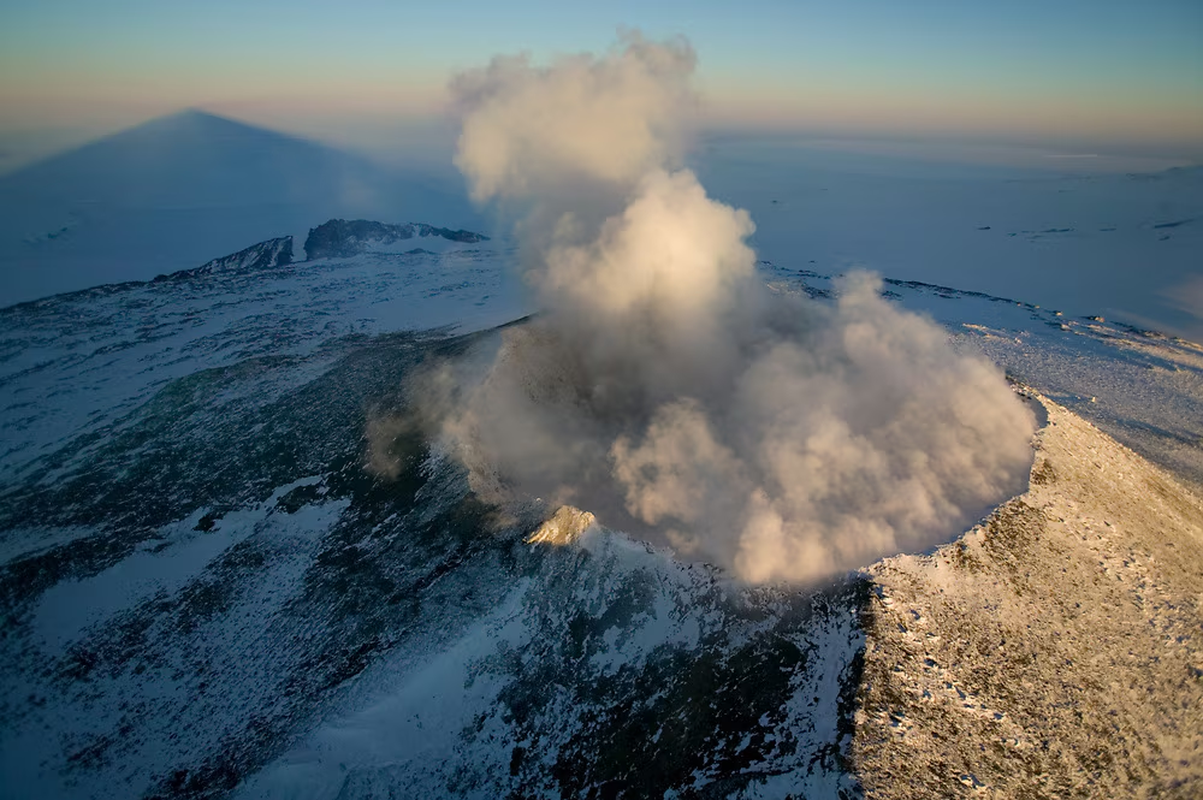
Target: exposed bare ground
x=1056 y=650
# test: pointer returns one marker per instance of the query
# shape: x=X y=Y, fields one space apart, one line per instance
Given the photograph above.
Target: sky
x=1103 y=72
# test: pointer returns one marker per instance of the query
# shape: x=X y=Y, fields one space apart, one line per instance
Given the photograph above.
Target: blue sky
x=1118 y=71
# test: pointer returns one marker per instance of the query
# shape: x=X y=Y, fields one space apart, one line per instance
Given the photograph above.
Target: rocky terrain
x=1052 y=651
x=340 y=238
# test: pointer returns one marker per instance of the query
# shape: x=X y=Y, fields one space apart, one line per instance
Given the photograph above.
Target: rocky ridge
x=256 y=258
x=343 y=238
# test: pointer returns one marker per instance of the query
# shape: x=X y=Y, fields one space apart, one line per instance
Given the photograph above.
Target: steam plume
x=664 y=387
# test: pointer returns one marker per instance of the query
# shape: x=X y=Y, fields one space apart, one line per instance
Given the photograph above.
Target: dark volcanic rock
x=340 y=238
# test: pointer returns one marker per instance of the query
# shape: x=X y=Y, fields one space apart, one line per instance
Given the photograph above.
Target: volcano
x=233 y=564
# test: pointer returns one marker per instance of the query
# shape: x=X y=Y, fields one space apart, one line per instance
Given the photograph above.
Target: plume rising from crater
x=663 y=386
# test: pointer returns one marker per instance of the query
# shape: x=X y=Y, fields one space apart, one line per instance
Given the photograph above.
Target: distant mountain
x=183 y=189
x=342 y=238
x=257 y=257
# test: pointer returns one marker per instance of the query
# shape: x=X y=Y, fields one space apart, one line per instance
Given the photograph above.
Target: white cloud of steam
x=528 y=130
x=665 y=388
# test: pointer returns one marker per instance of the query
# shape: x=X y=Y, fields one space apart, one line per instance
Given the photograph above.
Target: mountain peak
x=194 y=116
x=196 y=123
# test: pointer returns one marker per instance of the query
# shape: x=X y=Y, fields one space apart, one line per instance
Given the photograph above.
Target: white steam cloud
x=528 y=131
x=665 y=388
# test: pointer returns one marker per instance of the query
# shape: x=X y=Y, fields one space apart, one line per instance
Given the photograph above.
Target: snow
x=1084 y=243
x=441 y=722
x=75 y=366
x=179 y=718
x=420 y=722
x=161 y=566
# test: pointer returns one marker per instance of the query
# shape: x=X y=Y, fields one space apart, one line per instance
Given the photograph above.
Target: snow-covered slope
x=610 y=670
x=78 y=367
x=206 y=592
x=200 y=576
x=256 y=259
